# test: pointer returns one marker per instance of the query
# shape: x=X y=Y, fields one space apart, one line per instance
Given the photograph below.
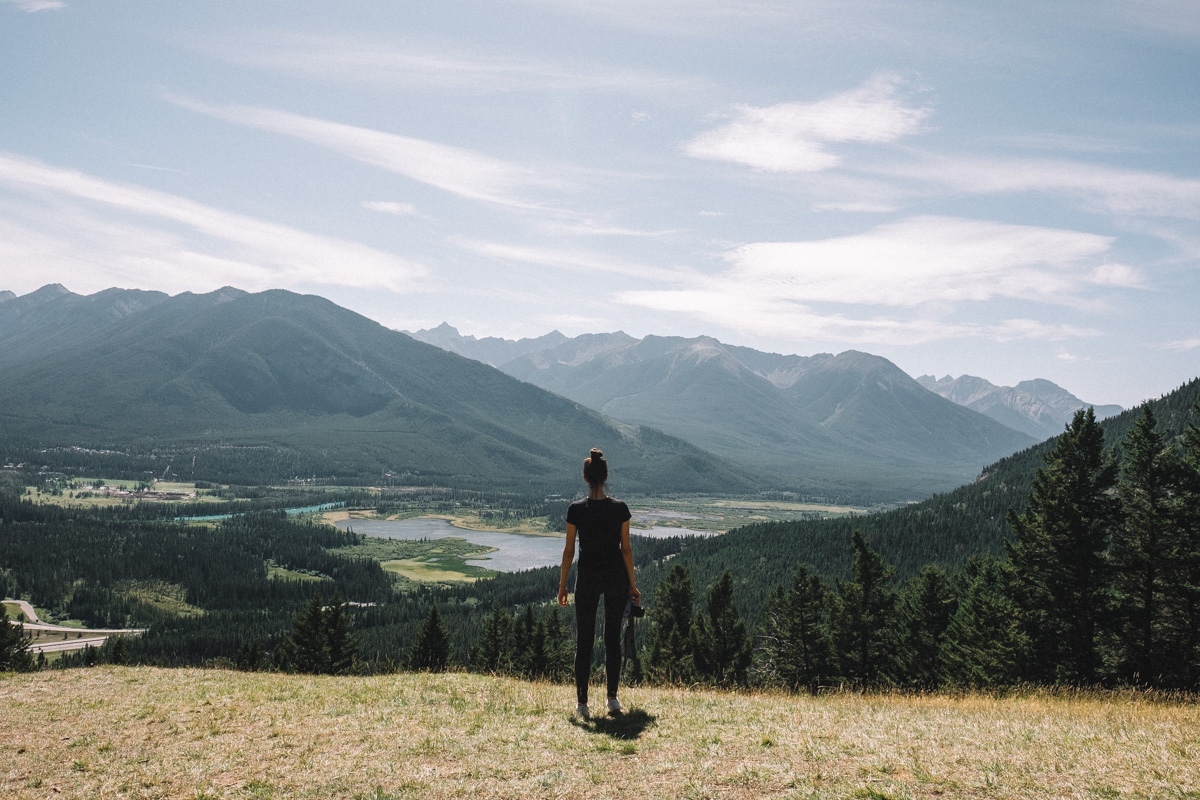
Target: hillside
x=1038 y=407
x=141 y=733
x=946 y=529
x=274 y=385
x=852 y=425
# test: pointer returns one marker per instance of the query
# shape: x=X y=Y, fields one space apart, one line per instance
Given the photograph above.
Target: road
x=95 y=636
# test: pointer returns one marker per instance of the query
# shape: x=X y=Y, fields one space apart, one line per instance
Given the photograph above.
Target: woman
x=605 y=568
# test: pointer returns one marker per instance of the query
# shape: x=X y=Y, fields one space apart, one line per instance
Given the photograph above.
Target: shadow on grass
x=628 y=725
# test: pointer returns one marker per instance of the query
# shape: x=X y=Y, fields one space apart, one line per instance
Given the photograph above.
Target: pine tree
x=309 y=646
x=560 y=653
x=250 y=656
x=522 y=652
x=863 y=618
x=795 y=640
x=1183 y=618
x=927 y=605
x=721 y=650
x=1058 y=553
x=669 y=642
x=492 y=652
x=342 y=645
x=432 y=650
x=14 y=647
x=984 y=643
x=1142 y=549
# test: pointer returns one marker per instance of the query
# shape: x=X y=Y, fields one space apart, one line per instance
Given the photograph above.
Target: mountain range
x=302 y=386
x=1038 y=407
x=849 y=424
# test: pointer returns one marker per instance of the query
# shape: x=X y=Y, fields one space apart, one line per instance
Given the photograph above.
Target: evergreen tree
x=432 y=650
x=1183 y=621
x=492 y=652
x=342 y=645
x=309 y=646
x=560 y=653
x=118 y=650
x=250 y=656
x=14 y=647
x=984 y=643
x=927 y=605
x=1142 y=550
x=863 y=618
x=796 y=649
x=669 y=644
x=523 y=636
x=1058 y=553
x=721 y=650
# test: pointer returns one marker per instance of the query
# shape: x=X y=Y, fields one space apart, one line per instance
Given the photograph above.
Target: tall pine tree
x=1058 y=553
x=795 y=639
x=864 y=618
x=1142 y=551
x=669 y=658
x=721 y=650
x=431 y=651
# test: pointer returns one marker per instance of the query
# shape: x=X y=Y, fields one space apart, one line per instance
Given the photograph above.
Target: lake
x=513 y=551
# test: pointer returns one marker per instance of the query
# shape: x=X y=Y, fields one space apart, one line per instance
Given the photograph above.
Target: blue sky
x=1010 y=190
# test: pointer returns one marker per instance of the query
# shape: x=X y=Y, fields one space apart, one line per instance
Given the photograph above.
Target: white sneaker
x=581 y=711
x=614 y=705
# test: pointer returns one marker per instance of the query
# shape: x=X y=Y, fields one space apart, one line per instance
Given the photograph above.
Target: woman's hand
x=635 y=594
x=562 y=595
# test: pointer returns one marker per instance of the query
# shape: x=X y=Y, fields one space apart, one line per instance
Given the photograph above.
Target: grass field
x=150 y=733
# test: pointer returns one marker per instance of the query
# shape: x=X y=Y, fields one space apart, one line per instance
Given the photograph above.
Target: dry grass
x=147 y=733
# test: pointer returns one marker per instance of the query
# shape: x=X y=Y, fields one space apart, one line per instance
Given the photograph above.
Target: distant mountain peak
x=7 y=295
x=1038 y=407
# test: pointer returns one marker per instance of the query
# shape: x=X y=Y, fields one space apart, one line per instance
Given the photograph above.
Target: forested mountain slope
x=852 y=425
x=303 y=387
x=946 y=529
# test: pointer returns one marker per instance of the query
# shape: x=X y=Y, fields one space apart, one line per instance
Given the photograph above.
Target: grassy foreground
x=119 y=732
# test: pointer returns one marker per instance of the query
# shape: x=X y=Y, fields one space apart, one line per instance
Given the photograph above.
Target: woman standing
x=605 y=568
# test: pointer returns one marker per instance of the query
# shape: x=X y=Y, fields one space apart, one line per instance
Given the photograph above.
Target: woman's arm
x=568 y=557
x=627 y=554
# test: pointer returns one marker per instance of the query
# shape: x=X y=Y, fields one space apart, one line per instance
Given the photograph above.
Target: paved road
x=95 y=636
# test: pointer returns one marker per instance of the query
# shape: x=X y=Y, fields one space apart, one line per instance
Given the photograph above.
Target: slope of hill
x=220 y=733
x=852 y=425
x=946 y=529
x=1038 y=407
x=333 y=392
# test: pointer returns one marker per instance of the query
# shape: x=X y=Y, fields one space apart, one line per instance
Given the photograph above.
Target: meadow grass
x=151 y=733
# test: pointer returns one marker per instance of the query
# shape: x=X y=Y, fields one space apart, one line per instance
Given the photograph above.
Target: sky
x=1009 y=190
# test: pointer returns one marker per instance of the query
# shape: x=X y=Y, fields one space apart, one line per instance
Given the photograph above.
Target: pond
x=513 y=551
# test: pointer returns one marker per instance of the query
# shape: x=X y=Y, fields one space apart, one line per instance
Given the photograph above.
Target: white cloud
x=375 y=61
x=1109 y=189
x=390 y=207
x=36 y=5
x=926 y=265
x=794 y=137
x=922 y=260
x=575 y=260
x=856 y=207
x=1182 y=344
x=86 y=223
x=453 y=169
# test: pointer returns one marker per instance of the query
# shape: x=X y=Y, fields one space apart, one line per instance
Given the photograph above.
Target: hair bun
x=596 y=454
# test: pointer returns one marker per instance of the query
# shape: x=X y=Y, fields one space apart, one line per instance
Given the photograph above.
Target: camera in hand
x=634 y=610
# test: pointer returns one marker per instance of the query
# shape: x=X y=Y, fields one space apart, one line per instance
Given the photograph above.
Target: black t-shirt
x=598 y=531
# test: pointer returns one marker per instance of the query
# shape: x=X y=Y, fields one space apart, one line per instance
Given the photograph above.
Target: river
x=513 y=551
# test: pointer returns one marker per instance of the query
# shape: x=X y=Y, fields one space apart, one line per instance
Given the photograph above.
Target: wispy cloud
x=1108 y=189
x=373 y=61
x=795 y=137
x=1182 y=344
x=573 y=259
x=453 y=169
x=933 y=263
x=36 y=5
x=391 y=207
x=168 y=232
